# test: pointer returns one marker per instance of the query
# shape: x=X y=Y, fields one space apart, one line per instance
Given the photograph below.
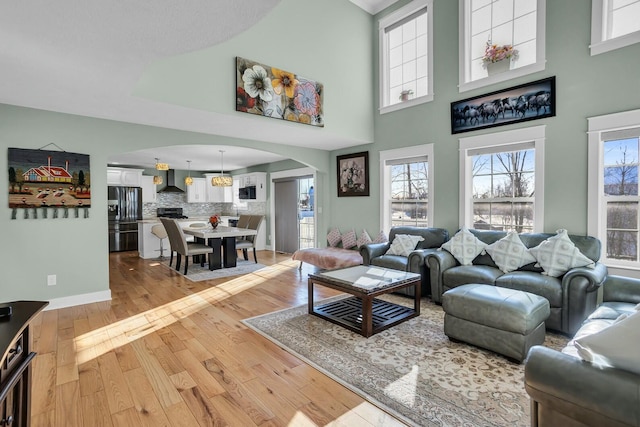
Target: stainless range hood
x=171 y=183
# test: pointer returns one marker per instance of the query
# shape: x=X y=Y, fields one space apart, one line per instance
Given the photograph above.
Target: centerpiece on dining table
x=214 y=220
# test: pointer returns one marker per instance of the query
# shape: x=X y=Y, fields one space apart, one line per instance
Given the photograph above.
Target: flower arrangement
x=214 y=220
x=495 y=53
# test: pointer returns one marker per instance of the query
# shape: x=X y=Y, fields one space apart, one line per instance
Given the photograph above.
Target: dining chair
x=246 y=242
x=179 y=243
x=243 y=221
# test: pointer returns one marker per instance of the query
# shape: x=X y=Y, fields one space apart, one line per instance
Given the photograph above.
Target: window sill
x=509 y=75
x=613 y=44
x=406 y=104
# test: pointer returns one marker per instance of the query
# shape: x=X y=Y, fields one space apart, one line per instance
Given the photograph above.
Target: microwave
x=247 y=193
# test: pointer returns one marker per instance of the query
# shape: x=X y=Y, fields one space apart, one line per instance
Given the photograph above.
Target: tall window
x=614 y=24
x=405 y=56
x=407 y=180
x=614 y=202
x=519 y=23
x=502 y=180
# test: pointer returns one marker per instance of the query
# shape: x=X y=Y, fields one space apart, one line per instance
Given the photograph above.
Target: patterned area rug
x=412 y=370
x=196 y=273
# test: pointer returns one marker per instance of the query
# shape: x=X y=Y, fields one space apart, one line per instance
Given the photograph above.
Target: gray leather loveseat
x=566 y=391
x=572 y=296
x=374 y=254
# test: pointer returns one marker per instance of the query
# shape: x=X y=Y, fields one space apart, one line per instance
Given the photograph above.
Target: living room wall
x=586 y=86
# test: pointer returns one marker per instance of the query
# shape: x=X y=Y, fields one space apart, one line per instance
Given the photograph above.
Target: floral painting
x=353 y=174
x=272 y=92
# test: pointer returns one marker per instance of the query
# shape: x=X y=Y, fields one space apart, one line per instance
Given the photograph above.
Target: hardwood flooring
x=170 y=352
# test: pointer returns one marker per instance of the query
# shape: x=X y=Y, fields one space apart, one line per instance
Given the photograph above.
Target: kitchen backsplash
x=179 y=200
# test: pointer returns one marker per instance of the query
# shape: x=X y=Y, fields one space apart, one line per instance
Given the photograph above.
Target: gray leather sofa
x=572 y=297
x=566 y=391
x=374 y=254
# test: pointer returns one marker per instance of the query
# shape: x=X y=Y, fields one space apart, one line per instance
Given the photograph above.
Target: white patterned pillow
x=404 y=244
x=349 y=239
x=381 y=238
x=364 y=239
x=334 y=237
x=464 y=246
x=558 y=254
x=509 y=253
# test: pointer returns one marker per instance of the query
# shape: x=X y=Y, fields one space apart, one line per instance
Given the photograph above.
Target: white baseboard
x=63 y=302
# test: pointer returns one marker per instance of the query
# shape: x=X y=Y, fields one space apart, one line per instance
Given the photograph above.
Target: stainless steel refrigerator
x=125 y=209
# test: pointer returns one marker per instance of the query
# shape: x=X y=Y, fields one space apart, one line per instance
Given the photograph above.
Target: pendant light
x=222 y=181
x=188 y=180
x=157 y=179
x=161 y=166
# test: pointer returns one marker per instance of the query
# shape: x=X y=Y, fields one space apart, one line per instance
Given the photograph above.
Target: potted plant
x=494 y=57
x=404 y=95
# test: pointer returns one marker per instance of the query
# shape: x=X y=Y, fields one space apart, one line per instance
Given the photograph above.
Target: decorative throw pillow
x=464 y=246
x=364 y=239
x=404 y=244
x=617 y=345
x=334 y=237
x=349 y=239
x=381 y=238
x=509 y=253
x=558 y=254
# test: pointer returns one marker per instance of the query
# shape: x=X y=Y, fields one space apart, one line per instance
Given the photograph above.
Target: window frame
x=425 y=150
x=600 y=44
x=464 y=41
x=596 y=203
x=383 y=61
x=496 y=142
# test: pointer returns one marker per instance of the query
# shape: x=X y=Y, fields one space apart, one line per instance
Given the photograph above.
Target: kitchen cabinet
x=257 y=180
x=149 y=191
x=217 y=194
x=197 y=192
x=124 y=177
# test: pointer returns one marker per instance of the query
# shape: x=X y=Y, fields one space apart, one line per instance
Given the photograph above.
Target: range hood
x=171 y=183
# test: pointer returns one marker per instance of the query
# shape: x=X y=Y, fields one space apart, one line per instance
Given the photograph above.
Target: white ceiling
x=85 y=56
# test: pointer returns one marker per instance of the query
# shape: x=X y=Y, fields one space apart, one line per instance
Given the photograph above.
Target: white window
x=519 y=23
x=614 y=24
x=614 y=202
x=406 y=69
x=407 y=186
x=501 y=182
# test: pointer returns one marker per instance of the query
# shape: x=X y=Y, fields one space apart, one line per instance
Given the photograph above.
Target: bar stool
x=159 y=231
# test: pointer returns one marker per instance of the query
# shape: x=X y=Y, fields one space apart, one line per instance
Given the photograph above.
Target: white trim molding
x=81 y=299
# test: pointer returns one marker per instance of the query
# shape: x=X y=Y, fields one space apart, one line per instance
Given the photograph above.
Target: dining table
x=223 y=241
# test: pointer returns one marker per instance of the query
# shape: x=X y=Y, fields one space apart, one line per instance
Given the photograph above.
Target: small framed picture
x=353 y=174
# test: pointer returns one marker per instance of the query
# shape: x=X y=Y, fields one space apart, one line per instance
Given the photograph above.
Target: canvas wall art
x=272 y=92
x=41 y=178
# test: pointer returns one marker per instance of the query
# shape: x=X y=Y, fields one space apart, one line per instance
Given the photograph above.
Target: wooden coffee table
x=362 y=313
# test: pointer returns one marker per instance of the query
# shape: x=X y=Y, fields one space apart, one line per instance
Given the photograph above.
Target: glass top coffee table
x=363 y=313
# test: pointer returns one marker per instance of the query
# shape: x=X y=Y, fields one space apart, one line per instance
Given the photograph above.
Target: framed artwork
x=42 y=179
x=272 y=92
x=529 y=101
x=353 y=174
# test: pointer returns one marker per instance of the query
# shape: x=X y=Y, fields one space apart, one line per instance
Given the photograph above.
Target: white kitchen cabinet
x=217 y=194
x=197 y=192
x=254 y=179
x=149 y=191
x=124 y=177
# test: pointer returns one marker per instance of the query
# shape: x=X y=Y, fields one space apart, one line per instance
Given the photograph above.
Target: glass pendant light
x=161 y=166
x=188 y=180
x=222 y=181
x=157 y=179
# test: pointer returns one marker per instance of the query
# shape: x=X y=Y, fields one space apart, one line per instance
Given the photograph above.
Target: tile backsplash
x=179 y=200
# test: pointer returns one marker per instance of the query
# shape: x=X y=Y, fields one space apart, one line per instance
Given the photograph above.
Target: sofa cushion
x=334 y=237
x=465 y=274
x=381 y=238
x=509 y=253
x=464 y=246
x=558 y=254
x=404 y=244
x=535 y=283
x=348 y=239
x=395 y=262
x=612 y=310
x=363 y=239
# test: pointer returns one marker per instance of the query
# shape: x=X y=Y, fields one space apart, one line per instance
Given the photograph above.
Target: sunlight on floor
x=404 y=388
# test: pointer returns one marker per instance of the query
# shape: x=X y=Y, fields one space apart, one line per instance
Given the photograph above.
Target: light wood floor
x=170 y=352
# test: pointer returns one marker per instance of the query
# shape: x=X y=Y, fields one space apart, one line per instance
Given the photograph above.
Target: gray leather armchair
x=374 y=254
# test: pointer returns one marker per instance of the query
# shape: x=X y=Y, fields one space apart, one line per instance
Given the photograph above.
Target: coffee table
x=362 y=313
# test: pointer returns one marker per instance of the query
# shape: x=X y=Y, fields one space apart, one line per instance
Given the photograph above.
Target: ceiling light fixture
x=157 y=180
x=222 y=181
x=161 y=166
x=188 y=180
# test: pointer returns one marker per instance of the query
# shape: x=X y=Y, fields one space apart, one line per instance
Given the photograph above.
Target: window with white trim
x=406 y=187
x=614 y=202
x=406 y=46
x=614 y=24
x=501 y=181
x=519 y=23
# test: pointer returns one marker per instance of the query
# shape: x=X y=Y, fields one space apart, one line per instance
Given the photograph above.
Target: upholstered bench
x=503 y=320
x=328 y=258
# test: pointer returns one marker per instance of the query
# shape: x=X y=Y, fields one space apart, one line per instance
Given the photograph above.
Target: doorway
x=294 y=214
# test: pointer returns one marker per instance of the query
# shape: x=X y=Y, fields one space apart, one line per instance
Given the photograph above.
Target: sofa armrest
x=373 y=250
x=595 y=276
x=417 y=260
x=579 y=296
x=438 y=261
x=593 y=395
x=620 y=288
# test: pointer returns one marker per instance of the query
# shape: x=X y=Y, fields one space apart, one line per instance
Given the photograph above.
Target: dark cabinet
x=15 y=368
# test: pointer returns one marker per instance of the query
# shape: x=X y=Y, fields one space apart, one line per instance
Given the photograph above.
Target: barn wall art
x=42 y=179
x=272 y=92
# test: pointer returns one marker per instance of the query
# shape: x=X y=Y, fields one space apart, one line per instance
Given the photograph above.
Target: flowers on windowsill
x=494 y=53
